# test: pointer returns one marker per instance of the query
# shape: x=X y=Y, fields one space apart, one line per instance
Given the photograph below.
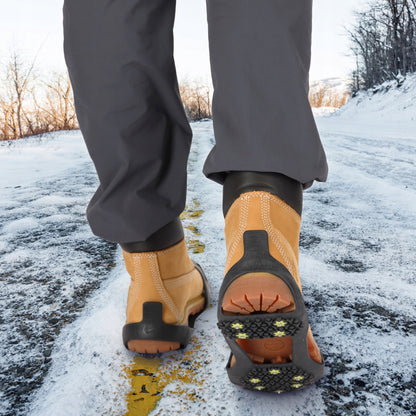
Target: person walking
x=267 y=151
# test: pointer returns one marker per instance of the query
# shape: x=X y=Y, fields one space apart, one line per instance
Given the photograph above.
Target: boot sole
x=152 y=335
x=261 y=320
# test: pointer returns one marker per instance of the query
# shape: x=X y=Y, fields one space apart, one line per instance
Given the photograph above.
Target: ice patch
x=18 y=255
x=55 y=201
x=22 y=225
x=89 y=358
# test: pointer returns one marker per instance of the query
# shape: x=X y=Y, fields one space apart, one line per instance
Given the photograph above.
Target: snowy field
x=63 y=290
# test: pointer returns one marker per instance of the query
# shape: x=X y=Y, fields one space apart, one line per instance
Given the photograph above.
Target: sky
x=34 y=27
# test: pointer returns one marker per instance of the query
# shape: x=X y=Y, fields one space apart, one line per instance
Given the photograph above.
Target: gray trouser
x=119 y=55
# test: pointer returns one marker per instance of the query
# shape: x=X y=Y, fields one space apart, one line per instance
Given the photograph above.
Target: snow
x=63 y=290
x=89 y=357
x=50 y=263
x=324 y=111
x=389 y=111
x=40 y=157
x=21 y=225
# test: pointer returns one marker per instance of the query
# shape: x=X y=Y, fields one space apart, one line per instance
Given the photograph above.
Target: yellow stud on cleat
x=274 y=371
x=296 y=386
x=259 y=387
x=237 y=326
x=280 y=324
x=298 y=378
x=279 y=334
x=242 y=335
x=255 y=380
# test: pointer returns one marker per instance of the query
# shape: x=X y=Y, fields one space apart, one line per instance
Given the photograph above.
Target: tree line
x=32 y=105
x=383 y=40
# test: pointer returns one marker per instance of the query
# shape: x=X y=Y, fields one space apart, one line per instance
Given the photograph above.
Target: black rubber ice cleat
x=153 y=328
x=302 y=370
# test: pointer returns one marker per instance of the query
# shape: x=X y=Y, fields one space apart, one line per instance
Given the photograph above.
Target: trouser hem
x=165 y=237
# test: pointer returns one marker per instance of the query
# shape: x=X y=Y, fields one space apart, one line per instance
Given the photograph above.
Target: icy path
x=50 y=263
x=357 y=265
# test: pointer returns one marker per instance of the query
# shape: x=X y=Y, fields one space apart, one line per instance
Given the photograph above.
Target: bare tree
x=323 y=94
x=8 y=128
x=196 y=98
x=59 y=106
x=317 y=94
x=22 y=112
x=17 y=86
x=20 y=77
x=383 y=39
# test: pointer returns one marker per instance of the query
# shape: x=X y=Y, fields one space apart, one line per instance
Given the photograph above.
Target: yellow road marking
x=149 y=377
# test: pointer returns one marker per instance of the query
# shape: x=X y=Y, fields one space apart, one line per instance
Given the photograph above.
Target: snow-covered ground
x=63 y=290
x=388 y=112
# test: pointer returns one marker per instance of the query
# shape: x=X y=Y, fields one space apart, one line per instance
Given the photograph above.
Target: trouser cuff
x=286 y=188
x=165 y=237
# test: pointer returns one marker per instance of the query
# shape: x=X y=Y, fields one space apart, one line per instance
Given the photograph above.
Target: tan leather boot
x=261 y=310
x=168 y=291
